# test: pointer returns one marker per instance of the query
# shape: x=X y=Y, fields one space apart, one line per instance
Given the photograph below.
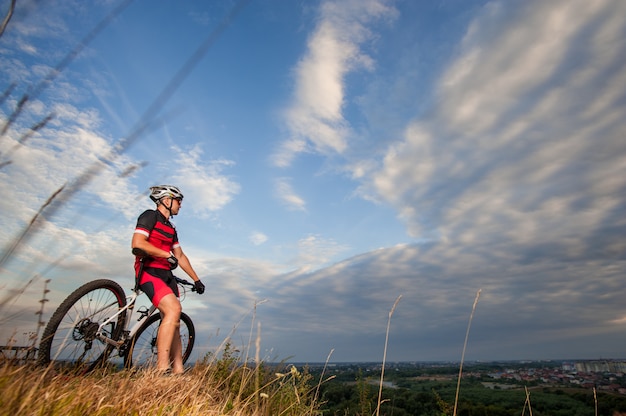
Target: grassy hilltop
x=209 y=388
x=226 y=386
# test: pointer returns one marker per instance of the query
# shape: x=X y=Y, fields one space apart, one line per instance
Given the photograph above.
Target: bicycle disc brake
x=85 y=330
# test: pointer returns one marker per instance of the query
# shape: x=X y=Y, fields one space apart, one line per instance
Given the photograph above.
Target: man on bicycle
x=157 y=238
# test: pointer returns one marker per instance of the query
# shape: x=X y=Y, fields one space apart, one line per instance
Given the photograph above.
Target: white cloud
x=287 y=150
x=315 y=251
x=257 y=238
x=315 y=120
x=507 y=154
x=498 y=64
x=61 y=154
x=205 y=188
x=286 y=194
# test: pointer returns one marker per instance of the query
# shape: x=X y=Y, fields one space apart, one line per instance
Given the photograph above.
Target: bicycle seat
x=139 y=252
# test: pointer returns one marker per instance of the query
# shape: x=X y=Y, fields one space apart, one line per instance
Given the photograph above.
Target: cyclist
x=157 y=237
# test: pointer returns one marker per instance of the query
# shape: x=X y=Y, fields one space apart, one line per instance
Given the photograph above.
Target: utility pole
x=24 y=353
x=40 y=322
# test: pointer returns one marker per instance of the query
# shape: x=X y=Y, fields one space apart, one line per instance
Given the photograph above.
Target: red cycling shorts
x=157 y=287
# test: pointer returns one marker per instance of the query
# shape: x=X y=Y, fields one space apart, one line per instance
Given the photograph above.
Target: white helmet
x=161 y=191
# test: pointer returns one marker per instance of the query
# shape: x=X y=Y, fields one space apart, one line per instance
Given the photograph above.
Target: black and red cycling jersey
x=161 y=234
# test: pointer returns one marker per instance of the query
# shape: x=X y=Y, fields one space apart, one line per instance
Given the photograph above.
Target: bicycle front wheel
x=70 y=340
x=143 y=347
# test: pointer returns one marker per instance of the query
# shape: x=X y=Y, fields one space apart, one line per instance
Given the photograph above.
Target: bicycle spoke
x=71 y=338
x=143 y=350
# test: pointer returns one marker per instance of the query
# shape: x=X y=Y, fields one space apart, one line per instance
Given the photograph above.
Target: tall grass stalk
x=527 y=401
x=382 y=371
x=469 y=324
x=257 y=362
x=24 y=138
x=227 y=342
x=11 y=298
x=249 y=346
x=7 y=92
x=7 y=17
x=16 y=242
x=34 y=92
x=252 y=323
x=319 y=384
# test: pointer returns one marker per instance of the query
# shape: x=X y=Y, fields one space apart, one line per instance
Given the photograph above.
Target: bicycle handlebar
x=185 y=283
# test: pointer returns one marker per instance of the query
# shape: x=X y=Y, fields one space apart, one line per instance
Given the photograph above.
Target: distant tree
x=365 y=396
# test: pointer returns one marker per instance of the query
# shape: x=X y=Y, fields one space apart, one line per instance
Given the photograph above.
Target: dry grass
x=382 y=371
x=469 y=324
x=203 y=390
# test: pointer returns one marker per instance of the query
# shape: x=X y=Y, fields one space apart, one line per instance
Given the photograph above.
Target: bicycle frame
x=130 y=306
x=126 y=333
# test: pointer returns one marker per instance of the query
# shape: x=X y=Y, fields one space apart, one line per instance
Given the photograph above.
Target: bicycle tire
x=68 y=341
x=142 y=352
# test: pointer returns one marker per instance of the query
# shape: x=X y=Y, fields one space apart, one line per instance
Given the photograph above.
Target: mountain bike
x=92 y=328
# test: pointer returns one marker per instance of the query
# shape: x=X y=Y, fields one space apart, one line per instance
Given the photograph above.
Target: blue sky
x=334 y=156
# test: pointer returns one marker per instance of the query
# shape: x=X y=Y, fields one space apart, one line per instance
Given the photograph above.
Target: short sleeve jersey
x=161 y=234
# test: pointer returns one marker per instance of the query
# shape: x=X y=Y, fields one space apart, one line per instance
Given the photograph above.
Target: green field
x=431 y=390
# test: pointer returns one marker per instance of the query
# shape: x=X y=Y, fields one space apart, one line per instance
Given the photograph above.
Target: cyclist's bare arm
x=140 y=241
x=184 y=263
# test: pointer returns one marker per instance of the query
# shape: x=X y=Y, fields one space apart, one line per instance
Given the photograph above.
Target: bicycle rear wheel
x=143 y=349
x=69 y=340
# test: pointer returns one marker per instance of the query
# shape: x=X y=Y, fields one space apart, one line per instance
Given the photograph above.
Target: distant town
x=603 y=375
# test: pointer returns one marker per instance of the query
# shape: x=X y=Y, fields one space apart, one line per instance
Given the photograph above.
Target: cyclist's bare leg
x=168 y=345
x=176 y=353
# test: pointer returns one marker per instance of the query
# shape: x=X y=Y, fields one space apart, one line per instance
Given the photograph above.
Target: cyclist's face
x=176 y=203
